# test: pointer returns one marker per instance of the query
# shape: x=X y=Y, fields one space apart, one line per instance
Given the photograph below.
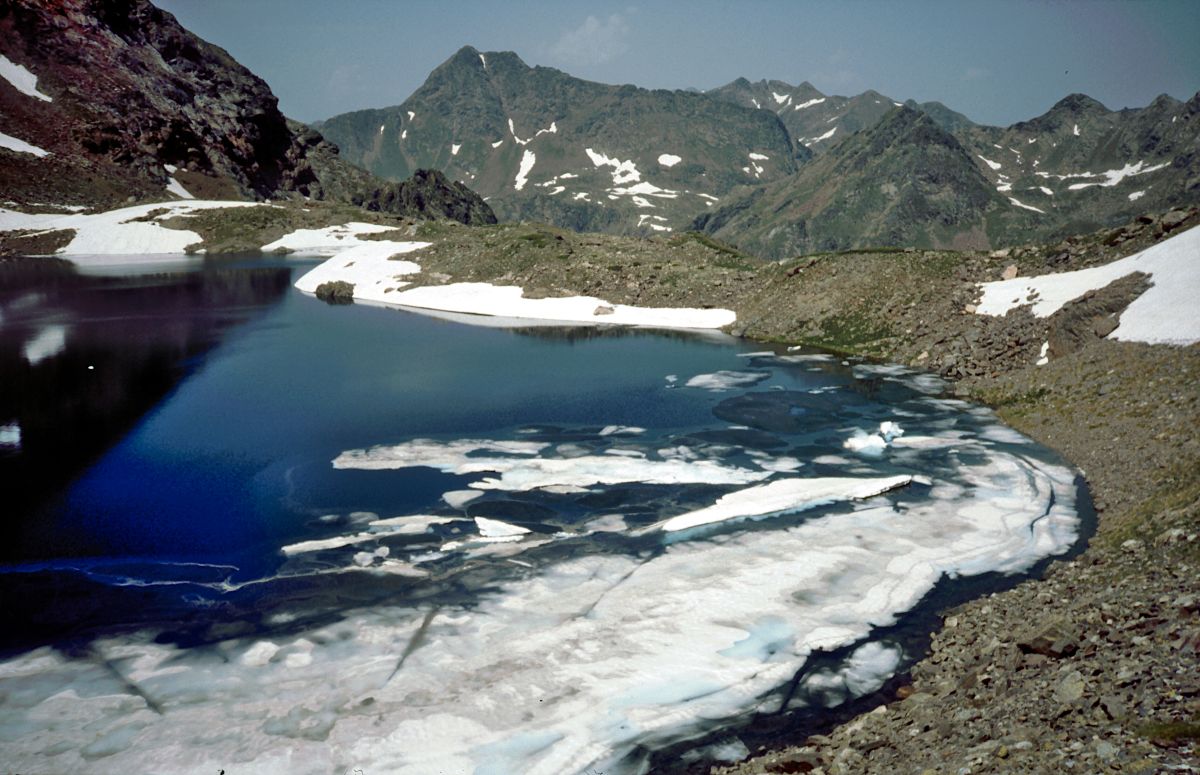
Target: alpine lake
x=249 y=531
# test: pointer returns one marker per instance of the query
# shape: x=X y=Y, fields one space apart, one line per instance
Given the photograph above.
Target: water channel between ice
x=353 y=537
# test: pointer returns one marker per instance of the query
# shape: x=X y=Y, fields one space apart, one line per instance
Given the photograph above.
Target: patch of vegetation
x=540 y=238
x=336 y=292
x=1000 y=398
x=848 y=332
x=1171 y=732
x=712 y=244
x=34 y=243
x=1177 y=494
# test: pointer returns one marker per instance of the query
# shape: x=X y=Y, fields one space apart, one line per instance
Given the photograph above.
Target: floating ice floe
x=784 y=496
x=127 y=231
x=873 y=444
x=1164 y=314
x=518 y=467
x=726 y=380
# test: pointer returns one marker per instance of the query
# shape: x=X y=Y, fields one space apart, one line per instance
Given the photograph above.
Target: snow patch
x=808 y=103
x=1113 y=177
x=1136 y=195
x=325 y=241
x=1018 y=203
x=1164 y=314
x=669 y=159
x=454 y=149
x=120 y=231
x=528 y=159
x=1075 y=131
x=989 y=162
x=781 y=98
x=21 y=79
x=759 y=157
x=176 y=188
x=624 y=172
x=20 y=146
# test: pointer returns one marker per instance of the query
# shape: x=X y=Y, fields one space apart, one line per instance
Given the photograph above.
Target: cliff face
x=118 y=101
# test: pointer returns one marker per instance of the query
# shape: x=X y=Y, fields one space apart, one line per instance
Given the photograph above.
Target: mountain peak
x=1078 y=103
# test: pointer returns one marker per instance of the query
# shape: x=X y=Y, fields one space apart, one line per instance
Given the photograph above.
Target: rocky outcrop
x=136 y=107
x=428 y=193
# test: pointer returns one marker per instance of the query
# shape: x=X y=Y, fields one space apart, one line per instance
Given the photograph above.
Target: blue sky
x=997 y=62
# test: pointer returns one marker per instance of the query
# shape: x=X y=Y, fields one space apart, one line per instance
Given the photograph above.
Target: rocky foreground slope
x=102 y=103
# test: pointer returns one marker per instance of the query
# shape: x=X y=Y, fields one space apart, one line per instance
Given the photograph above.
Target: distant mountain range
x=776 y=169
x=104 y=101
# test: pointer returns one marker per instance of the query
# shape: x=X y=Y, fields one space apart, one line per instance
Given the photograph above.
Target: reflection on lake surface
x=266 y=534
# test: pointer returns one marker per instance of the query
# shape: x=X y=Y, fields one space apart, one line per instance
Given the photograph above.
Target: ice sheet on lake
x=369 y=267
x=579 y=663
x=726 y=380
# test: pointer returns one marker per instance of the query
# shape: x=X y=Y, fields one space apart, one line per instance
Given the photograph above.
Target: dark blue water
x=208 y=404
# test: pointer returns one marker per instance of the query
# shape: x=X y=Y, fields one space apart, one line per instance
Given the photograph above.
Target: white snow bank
x=176 y=188
x=994 y=165
x=1113 y=177
x=528 y=159
x=508 y=301
x=759 y=157
x=669 y=159
x=809 y=103
x=1018 y=203
x=1165 y=314
x=325 y=241
x=21 y=79
x=1136 y=195
x=784 y=496
x=20 y=146
x=624 y=172
x=117 y=231
x=368 y=266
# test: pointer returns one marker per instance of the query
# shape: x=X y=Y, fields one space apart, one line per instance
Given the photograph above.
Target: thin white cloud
x=594 y=42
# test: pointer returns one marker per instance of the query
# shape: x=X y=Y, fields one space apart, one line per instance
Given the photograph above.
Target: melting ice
x=583 y=595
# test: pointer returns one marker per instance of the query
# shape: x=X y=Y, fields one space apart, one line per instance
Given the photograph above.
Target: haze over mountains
x=774 y=168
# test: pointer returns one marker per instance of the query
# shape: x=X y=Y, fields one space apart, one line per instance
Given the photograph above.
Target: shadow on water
x=83 y=357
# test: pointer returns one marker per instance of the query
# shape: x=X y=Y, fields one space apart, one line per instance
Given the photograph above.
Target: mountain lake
x=252 y=532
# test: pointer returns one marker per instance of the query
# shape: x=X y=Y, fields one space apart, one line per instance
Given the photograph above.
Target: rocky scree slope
x=127 y=104
x=542 y=145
